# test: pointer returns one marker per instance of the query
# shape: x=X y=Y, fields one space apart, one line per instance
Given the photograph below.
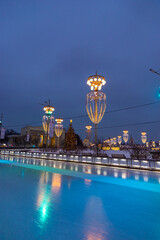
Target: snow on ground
x=119 y=152
x=109 y=153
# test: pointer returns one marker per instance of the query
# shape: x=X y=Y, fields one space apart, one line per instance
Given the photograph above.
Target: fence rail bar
x=145 y=164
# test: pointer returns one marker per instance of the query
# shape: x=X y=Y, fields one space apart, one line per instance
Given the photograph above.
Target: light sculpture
x=88 y=132
x=114 y=141
x=125 y=136
x=96 y=101
x=48 y=120
x=58 y=128
x=147 y=144
x=153 y=144
x=143 y=137
x=119 y=139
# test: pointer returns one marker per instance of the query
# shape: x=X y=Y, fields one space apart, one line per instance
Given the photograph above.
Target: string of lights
x=118 y=110
x=85 y=115
x=125 y=125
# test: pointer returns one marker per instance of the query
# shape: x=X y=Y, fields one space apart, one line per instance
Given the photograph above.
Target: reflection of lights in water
x=136 y=177
x=43 y=203
x=56 y=182
x=54 y=165
x=105 y=173
x=159 y=180
x=98 y=171
x=89 y=171
x=116 y=174
x=40 y=198
x=46 y=177
x=93 y=211
x=124 y=175
x=44 y=210
x=83 y=169
x=64 y=166
x=43 y=200
x=145 y=178
x=96 y=236
x=76 y=168
x=60 y=166
x=69 y=184
x=23 y=173
x=71 y=168
x=87 y=181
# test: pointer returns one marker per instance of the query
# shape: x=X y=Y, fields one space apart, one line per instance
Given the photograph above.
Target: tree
x=70 y=139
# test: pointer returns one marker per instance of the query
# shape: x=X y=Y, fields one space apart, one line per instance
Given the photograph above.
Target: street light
x=58 y=128
x=119 y=140
x=153 y=144
x=144 y=137
x=48 y=120
x=114 y=141
x=88 y=132
x=96 y=101
x=152 y=70
x=125 y=136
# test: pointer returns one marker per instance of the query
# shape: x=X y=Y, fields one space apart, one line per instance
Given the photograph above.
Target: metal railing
x=147 y=164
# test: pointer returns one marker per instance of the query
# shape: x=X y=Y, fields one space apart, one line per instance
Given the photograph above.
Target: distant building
x=34 y=136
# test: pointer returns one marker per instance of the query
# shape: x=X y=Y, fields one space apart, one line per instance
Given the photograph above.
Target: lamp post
x=153 y=144
x=96 y=101
x=48 y=120
x=88 y=132
x=58 y=128
x=143 y=137
x=154 y=71
x=125 y=136
x=119 y=139
x=114 y=141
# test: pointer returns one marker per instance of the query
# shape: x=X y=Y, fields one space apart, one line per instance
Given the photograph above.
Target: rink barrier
x=147 y=164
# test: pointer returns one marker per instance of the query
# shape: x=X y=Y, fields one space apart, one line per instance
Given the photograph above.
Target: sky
x=49 y=48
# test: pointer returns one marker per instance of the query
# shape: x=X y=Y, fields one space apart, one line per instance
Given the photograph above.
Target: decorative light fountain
x=96 y=101
x=48 y=121
x=125 y=136
x=58 y=128
x=88 y=132
x=143 y=137
x=119 y=140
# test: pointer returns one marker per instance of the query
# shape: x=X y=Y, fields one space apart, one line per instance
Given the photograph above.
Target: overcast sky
x=49 y=48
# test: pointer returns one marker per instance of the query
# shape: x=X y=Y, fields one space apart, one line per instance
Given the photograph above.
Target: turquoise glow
x=68 y=204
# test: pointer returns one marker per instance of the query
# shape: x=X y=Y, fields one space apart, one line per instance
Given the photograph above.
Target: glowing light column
x=96 y=101
x=58 y=128
x=88 y=132
x=143 y=137
x=86 y=141
x=153 y=144
x=125 y=136
x=119 y=140
x=114 y=141
x=47 y=121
